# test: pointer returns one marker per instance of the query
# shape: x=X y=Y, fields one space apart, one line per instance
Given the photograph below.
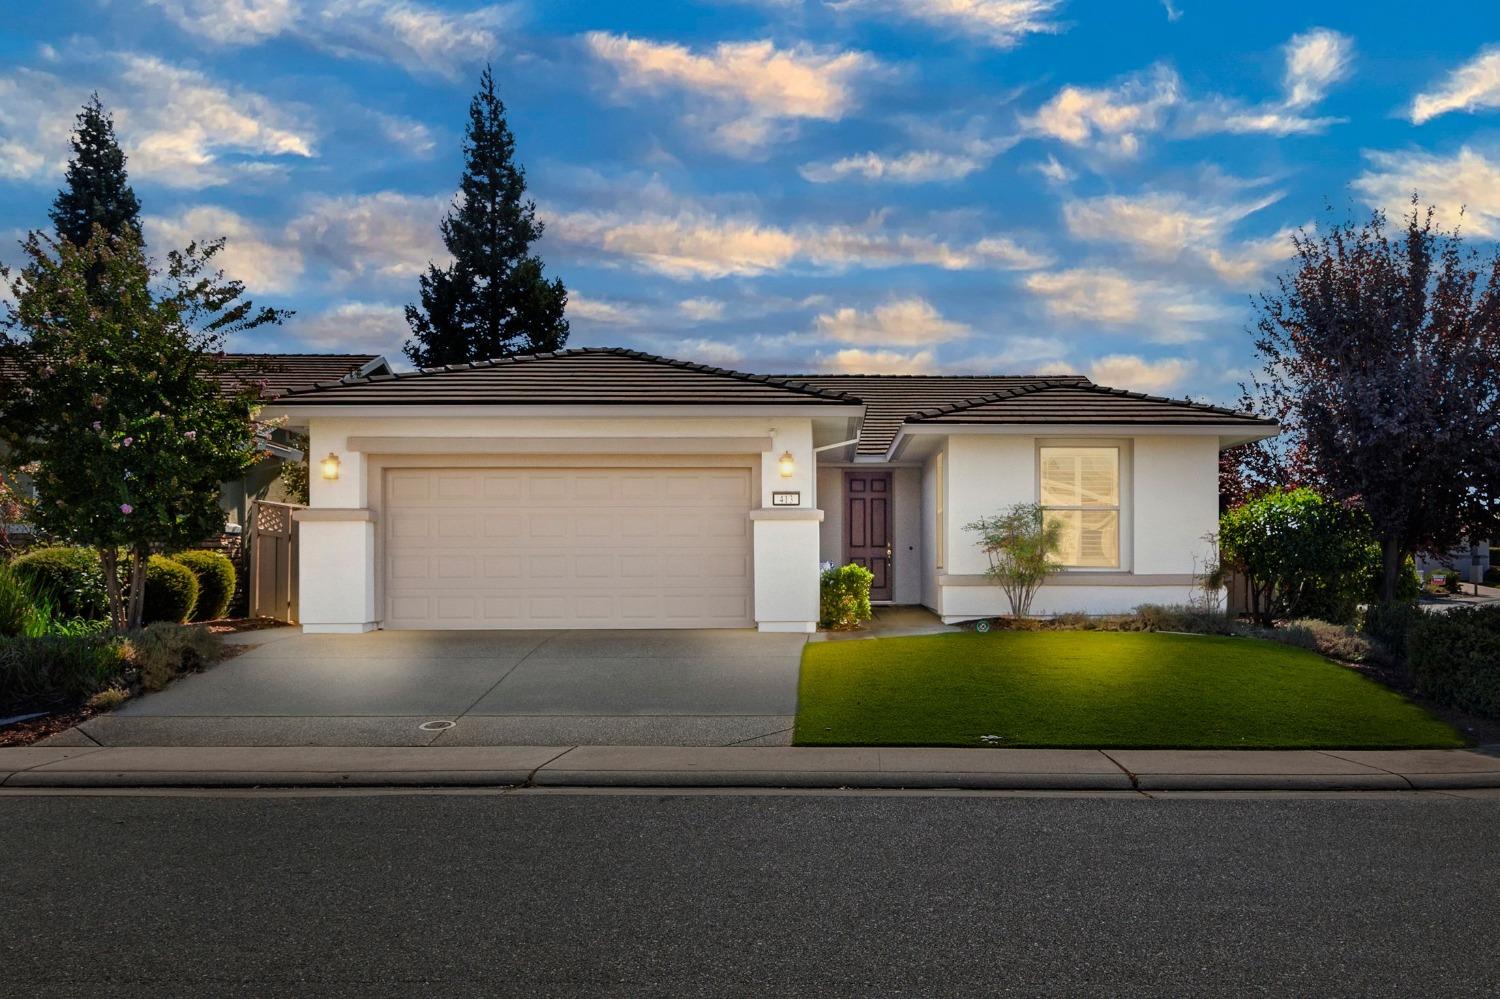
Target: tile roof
x=1058 y=401
x=890 y=399
x=581 y=376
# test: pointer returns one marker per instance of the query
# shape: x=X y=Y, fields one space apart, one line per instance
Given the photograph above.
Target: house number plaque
x=786 y=498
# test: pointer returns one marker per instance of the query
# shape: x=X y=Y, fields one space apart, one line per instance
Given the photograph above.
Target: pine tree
x=97 y=190
x=492 y=300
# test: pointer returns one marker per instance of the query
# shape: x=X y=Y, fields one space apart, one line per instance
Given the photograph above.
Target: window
x=939 y=489
x=1080 y=489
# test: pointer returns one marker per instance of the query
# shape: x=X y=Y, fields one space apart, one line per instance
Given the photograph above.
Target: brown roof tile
x=1056 y=401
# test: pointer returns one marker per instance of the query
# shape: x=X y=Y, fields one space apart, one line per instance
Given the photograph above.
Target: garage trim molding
x=561 y=445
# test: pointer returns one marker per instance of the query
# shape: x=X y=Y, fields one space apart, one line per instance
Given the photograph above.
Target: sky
x=780 y=186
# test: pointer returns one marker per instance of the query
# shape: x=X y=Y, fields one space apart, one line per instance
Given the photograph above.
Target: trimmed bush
x=52 y=671
x=215 y=573
x=1389 y=625
x=70 y=578
x=1455 y=658
x=1492 y=576
x=1180 y=617
x=1336 y=641
x=163 y=650
x=171 y=591
x=844 y=596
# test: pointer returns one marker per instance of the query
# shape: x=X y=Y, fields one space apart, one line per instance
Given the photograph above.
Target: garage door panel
x=557 y=547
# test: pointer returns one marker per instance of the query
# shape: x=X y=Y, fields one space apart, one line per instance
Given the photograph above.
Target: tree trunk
x=1391 y=560
x=137 y=587
x=109 y=561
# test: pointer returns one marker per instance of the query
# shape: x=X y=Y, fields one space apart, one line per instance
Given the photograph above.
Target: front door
x=867 y=527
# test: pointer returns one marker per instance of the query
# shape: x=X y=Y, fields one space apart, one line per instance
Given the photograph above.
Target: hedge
x=171 y=591
x=70 y=578
x=216 y=579
x=1455 y=658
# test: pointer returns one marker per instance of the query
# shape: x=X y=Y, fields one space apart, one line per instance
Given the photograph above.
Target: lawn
x=1089 y=688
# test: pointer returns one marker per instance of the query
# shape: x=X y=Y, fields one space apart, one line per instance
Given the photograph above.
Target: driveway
x=688 y=688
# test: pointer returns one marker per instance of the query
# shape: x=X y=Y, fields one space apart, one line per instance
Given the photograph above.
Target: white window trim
x=1126 y=467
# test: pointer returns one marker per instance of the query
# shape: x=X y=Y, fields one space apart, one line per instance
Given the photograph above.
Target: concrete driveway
x=687 y=688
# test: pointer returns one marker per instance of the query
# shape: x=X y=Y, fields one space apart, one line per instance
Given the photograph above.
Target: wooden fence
x=271 y=543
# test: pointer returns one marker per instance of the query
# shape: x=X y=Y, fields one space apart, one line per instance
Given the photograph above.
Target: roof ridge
x=1192 y=404
x=870 y=374
x=989 y=397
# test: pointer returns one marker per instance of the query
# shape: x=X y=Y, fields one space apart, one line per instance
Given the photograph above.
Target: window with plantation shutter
x=1080 y=491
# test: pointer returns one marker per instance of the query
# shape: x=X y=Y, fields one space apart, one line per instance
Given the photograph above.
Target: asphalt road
x=537 y=895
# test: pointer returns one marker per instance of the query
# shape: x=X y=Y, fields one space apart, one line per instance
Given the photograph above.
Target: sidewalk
x=772 y=767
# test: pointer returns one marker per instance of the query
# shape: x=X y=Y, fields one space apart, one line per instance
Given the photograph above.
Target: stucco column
x=336 y=542
x=786 y=569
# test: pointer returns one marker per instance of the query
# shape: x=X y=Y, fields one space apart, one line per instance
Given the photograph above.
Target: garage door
x=567 y=548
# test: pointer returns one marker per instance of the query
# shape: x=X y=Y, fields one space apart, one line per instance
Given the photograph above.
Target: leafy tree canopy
x=492 y=300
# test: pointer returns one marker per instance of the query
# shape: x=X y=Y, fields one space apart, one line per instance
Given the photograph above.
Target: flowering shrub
x=844 y=596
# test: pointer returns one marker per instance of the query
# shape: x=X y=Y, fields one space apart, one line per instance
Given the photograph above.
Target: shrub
x=1180 y=617
x=171 y=591
x=1389 y=625
x=108 y=699
x=1336 y=641
x=44 y=672
x=844 y=596
x=1304 y=556
x=1021 y=545
x=18 y=610
x=163 y=650
x=1492 y=576
x=70 y=577
x=1455 y=658
x=1452 y=582
x=215 y=573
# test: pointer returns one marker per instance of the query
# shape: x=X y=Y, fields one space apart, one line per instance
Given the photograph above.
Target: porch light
x=331 y=466
x=787 y=464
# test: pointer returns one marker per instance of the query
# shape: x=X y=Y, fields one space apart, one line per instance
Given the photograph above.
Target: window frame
x=1123 y=552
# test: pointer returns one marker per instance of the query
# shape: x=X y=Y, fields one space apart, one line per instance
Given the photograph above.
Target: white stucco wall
x=831 y=502
x=340 y=560
x=986 y=474
x=931 y=593
x=1176 y=501
x=909 y=553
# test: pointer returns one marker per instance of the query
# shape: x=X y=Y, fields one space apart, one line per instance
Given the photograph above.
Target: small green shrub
x=1181 y=617
x=164 y=650
x=1455 y=658
x=69 y=577
x=108 y=699
x=171 y=591
x=844 y=596
x=1492 y=576
x=51 y=671
x=1336 y=641
x=1389 y=624
x=215 y=573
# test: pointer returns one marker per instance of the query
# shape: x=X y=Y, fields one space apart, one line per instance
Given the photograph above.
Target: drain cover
x=437 y=726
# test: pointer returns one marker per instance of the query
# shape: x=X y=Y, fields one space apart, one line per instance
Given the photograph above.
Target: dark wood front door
x=867 y=527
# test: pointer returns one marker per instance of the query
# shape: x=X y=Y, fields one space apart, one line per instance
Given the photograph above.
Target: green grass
x=1084 y=689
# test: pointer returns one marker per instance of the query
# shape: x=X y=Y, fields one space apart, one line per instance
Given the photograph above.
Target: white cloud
x=1470 y=87
x=915 y=167
x=262 y=260
x=1114 y=119
x=701 y=309
x=902 y=322
x=177 y=126
x=1037 y=355
x=386 y=234
x=699 y=349
x=1128 y=371
x=1106 y=297
x=602 y=311
x=416 y=37
x=1000 y=23
x=1054 y=172
x=1315 y=61
x=692 y=242
x=1166 y=226
x=855 y=360
x=354 y=327
x=1467 y=180
x=745 y=94
x=410 y=135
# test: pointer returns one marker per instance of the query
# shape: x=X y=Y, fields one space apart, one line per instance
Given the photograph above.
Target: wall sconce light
x=331 y=466
x=787 y=464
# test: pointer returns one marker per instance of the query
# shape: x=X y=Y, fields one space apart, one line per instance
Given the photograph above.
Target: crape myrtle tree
x=492 y=300
x=115 y=409
x=1381 y=358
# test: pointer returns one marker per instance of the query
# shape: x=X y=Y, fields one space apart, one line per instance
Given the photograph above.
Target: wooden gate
x=272 y=545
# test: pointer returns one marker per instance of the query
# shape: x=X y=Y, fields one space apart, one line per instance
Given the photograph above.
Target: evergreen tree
x=97 y=190
x=492 y=300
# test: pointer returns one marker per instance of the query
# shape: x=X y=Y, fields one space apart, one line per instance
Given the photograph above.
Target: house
x=608 y=488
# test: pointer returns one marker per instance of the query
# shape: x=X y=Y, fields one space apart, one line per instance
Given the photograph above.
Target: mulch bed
x=27 y=732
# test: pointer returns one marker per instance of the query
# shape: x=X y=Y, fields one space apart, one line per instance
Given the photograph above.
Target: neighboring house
x=1472 y=561
x=271 y=375
x=607 y=488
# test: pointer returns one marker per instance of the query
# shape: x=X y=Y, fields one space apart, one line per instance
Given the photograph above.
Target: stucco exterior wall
x=341 y=559
x=1176 y=502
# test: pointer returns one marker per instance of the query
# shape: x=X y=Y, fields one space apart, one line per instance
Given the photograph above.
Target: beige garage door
x=567 y=548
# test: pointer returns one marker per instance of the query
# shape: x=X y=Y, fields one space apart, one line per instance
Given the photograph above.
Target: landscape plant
x=171 y=591
x=1021 y=545
x=1455 y=658
x=216 y=580
x=844 y=596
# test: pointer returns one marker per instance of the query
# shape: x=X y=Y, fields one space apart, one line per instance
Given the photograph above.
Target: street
x=360 y=894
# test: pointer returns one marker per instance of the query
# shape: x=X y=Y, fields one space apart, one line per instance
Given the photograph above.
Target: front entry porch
x=872 y=516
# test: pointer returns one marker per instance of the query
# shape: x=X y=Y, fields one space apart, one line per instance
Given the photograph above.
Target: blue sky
x=1006 y=186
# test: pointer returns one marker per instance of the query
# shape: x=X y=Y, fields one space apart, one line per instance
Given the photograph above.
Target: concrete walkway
x=770 y=767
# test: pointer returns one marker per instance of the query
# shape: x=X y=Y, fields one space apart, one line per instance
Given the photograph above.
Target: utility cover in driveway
x=567 y=548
